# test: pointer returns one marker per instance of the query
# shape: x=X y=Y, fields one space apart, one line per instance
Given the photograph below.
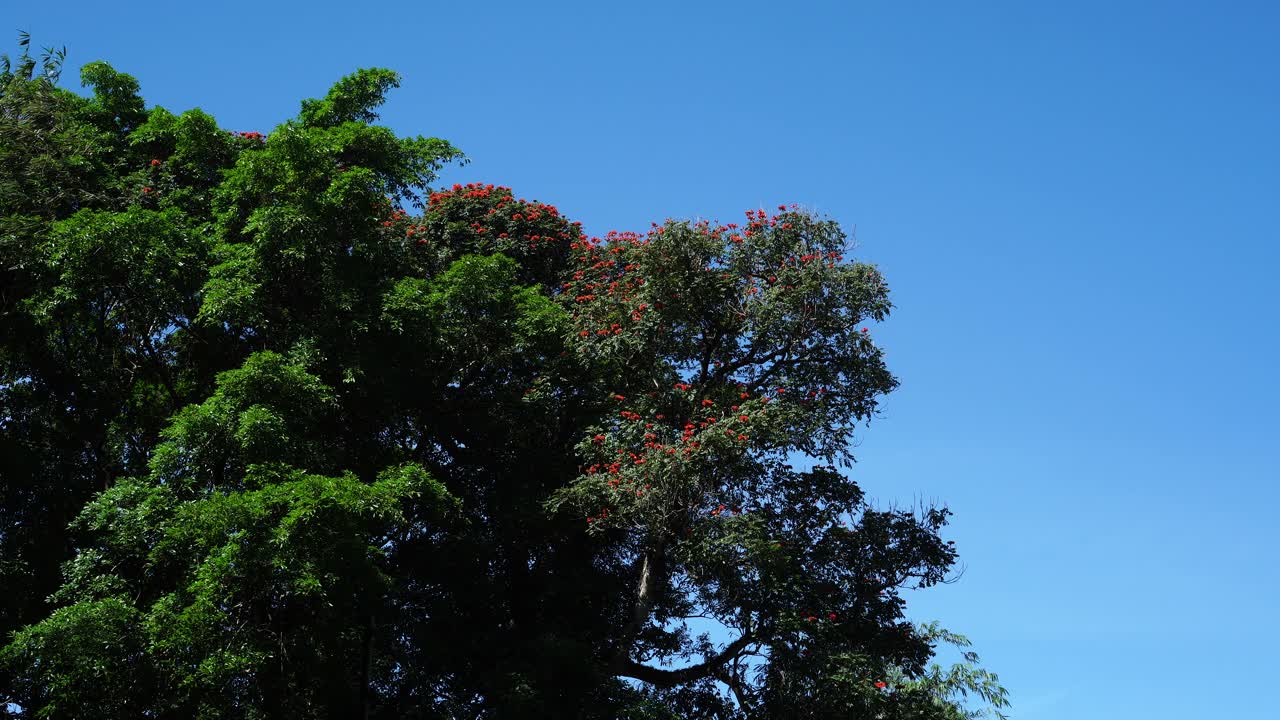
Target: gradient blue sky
x=1074 y=203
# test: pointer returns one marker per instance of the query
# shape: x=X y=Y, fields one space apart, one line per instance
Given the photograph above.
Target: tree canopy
x=288 y=431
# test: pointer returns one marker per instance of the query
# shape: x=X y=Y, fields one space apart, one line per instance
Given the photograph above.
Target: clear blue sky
x=1074 y=203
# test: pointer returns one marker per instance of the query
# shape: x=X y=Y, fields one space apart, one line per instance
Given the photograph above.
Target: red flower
x=146 y=189
x=154 y=163
x=831 y=616
x=864 y=330
x=707 y=403
x=743 y=418
x=880 y=684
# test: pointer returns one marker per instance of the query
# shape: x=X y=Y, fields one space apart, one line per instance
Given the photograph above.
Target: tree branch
x=651 y=576
x=733 y=678
x=670 y=678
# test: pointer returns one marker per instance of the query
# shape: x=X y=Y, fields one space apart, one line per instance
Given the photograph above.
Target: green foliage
x=115 y=96
x=107 y=643
x=352 y=100
x=289 y=433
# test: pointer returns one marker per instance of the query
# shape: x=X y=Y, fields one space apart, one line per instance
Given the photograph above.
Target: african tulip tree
x=331 y=443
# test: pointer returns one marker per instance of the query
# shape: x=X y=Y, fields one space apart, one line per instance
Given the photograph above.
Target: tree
x=307 y=437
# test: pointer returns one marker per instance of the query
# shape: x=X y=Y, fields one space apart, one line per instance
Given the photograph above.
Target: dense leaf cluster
x=287 y=433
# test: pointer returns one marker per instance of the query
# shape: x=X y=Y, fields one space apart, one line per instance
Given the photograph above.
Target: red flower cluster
x=688 y=433
x=490 y=213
